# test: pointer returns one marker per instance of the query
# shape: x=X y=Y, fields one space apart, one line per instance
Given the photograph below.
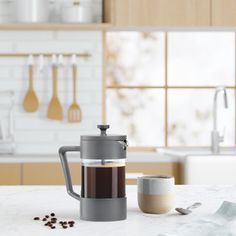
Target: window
x=160 y=86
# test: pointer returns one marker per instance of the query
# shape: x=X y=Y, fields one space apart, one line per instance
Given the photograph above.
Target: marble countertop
x=19 y=205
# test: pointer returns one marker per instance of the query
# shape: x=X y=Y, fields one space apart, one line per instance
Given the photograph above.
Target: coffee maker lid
x=103 y=135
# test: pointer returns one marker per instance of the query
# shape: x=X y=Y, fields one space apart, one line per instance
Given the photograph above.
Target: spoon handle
x=195 y=205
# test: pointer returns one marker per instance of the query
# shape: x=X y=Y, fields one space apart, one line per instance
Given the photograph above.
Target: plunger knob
x=103 y=129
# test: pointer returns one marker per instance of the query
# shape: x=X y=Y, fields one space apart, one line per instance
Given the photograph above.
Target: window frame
x=165 y=87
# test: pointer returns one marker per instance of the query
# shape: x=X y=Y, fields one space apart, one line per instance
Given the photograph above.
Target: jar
x=32 y=11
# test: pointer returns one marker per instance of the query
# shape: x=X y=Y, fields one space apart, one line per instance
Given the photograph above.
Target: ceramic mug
x=156 y=194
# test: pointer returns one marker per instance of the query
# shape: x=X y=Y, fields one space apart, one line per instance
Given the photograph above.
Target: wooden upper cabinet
x=224 y=13
x=157 y=12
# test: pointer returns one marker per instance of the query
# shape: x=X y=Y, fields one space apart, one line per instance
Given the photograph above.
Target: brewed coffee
x=103 y=182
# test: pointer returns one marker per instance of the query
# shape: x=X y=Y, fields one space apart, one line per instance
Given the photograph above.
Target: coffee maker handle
x=66 y=169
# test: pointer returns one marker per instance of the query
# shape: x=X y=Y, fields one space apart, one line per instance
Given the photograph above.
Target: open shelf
x=54 y=26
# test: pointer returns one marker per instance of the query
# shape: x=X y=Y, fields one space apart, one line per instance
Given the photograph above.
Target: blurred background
x=148 y=76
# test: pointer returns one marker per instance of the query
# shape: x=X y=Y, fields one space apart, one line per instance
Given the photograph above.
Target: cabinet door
x=48 y=174
x=155 y=168
x=224 y=12
x=10 y=174
x=160 y=12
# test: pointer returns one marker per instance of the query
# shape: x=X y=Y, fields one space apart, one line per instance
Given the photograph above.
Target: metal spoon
x=186 y=211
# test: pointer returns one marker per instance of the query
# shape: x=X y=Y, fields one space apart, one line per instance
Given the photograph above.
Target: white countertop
x=182 y=152
x=131 y=157
x=177 y=154
x=19 y=205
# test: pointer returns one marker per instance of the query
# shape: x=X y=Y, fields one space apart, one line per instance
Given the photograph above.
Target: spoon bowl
x=186 y=211
x=30 y=102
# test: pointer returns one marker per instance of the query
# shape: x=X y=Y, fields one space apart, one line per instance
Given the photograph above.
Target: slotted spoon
x=30 y=102
x=74 y=111
x=54 y=108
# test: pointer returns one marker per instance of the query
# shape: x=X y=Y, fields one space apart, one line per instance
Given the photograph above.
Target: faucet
x=216 y=138
x=1 y=131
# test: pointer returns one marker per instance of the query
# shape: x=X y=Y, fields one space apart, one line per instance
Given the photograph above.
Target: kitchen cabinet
x=154 y=168
x=10 y=174
x=48 y=174
x=224 y=13
x=157 y=12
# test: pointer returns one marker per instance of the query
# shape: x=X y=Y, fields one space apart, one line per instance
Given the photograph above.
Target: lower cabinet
x=52 y=174
x=154 y=168
x=48 y=174
x=10 y=174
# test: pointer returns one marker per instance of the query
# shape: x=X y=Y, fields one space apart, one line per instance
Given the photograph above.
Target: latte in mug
x=156 y=194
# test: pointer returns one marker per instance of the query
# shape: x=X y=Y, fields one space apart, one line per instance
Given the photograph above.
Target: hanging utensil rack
x=83 y=55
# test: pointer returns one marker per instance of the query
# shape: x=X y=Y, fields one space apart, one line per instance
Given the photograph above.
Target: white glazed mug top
x=156 y=185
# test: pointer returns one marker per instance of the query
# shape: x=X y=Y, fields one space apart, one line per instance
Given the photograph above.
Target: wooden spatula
x=74 y=111
x=54 y=108
x=30 y=102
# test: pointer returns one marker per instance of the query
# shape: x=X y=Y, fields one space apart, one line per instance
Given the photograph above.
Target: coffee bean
x=53 y=220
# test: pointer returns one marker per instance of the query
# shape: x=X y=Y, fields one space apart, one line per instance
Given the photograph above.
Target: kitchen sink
x=202 y=167
x=181 y=152
x=210 y=169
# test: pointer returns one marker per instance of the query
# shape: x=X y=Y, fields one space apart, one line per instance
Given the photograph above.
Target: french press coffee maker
x=103 y=196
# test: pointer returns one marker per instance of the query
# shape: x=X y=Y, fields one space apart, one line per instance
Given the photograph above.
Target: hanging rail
x=85 y=55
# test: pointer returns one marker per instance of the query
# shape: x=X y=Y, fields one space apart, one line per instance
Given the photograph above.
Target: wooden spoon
x=54 y=108
x=30 y=102
x=74 y=112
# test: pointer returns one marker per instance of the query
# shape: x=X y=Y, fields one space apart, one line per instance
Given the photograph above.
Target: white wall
x=34 y=133
x=56 y=7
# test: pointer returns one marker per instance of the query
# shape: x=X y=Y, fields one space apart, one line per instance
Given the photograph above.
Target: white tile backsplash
x=27 y=36
x=6 y=47
x=78 y=35
x=59 y=47
x=34 y=133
